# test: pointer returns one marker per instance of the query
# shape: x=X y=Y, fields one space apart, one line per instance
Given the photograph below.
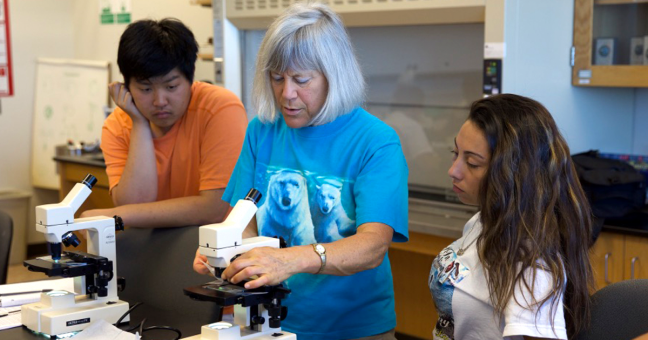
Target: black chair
x=157 y=265
x=6 y=234
x=619 y=312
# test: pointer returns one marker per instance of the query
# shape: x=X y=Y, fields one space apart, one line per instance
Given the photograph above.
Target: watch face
x=320 y=248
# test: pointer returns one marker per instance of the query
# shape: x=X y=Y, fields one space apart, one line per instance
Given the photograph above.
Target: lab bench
x=620 y=253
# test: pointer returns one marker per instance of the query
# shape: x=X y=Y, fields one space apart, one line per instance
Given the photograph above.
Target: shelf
x=206 y=56
x=616 y=76
x=258 y=14
x=613 y=63
x=206 y=3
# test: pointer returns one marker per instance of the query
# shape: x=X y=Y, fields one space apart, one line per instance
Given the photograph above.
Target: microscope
x=95 y=285
x=257 y=312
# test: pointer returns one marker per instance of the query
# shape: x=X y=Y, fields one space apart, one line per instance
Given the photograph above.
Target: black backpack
x=614 y=188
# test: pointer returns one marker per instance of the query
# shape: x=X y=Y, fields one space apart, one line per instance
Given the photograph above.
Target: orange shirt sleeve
x=222 y=141
x=115 y=138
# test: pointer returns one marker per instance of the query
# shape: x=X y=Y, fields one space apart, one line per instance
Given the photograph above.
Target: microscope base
x=235 y=333
x=65 y=314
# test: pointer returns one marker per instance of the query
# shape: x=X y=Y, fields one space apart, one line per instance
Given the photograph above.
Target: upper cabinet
x=610 y=43
x=258 y=14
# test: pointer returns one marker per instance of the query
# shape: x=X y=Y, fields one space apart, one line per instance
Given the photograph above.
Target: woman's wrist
x=308 y=261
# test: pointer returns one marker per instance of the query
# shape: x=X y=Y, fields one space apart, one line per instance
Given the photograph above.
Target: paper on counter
x=12 y=319
x=102 y=330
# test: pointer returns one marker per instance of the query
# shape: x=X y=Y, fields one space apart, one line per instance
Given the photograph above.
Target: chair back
x=6 y=235
x=619 y=312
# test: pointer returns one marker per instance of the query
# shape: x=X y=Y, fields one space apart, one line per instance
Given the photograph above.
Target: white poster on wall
x=68 y=106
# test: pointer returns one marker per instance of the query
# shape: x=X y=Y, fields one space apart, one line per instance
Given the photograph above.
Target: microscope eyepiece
x=89 y=181
x=253 y=195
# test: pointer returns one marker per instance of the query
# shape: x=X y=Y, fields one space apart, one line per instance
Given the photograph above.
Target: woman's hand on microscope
x=123 y=98
x=199 y=264
x=266 y=266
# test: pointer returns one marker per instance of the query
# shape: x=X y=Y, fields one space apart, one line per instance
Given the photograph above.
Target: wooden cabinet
x=607 y=259
x=72 y=173
x=635 y=258
x=617 y=257
x=606 y=34
x=411 y=262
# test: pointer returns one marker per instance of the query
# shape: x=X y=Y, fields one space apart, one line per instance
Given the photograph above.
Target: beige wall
x=99 y=42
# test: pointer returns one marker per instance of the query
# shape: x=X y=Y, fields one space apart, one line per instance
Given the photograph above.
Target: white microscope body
x=221 y=243
x=95 y=282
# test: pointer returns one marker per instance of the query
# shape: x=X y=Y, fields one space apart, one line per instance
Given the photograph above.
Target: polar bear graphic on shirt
x=286 y=210
x=329 y=218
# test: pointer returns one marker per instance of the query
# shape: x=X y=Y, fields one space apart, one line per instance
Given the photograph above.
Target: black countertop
x=92 y=159
x=635 y=223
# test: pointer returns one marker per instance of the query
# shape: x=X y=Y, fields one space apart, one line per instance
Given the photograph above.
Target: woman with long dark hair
x=521 y=270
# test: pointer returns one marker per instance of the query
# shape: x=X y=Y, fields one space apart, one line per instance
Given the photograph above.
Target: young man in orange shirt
x=172 y=143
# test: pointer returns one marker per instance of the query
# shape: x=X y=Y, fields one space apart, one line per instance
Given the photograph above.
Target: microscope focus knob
x=102 y=291
x=259 y=320
x=121 y=284
x=277 y=313
x=119 y=223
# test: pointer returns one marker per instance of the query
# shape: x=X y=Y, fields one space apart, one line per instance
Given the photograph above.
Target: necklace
x=463 y=249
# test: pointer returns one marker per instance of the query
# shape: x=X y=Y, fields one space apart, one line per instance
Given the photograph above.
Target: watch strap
x=321 y=254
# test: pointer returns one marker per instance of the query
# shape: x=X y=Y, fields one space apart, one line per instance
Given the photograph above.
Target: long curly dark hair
x=534 y=212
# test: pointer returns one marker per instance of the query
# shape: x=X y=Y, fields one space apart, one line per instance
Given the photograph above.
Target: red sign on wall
x=6 y=72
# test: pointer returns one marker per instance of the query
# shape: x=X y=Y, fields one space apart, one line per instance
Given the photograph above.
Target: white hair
x=309 y=36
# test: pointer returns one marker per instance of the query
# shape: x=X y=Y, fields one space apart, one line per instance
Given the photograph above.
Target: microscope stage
x=225 y=294
x=71 y=264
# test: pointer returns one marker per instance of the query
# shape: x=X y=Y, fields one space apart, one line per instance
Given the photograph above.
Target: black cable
x=140 y=325
x=137 y=304
x=135 y=327
x=164 y=328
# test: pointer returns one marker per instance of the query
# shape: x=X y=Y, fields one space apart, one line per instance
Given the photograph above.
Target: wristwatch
x=321 y=252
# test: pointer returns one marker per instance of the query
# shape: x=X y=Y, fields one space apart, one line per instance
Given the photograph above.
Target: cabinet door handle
x=607 y=271
x=632 y=267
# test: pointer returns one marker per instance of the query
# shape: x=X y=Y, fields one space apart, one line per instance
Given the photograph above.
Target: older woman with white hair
x=333 y=178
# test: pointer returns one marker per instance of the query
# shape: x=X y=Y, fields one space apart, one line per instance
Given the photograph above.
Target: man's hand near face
x=123 y=98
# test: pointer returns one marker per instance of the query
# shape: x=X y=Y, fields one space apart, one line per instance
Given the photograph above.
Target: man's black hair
x=149 y=48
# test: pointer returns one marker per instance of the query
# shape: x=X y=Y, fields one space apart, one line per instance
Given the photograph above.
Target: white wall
x=538 y=37
x=39 y=28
